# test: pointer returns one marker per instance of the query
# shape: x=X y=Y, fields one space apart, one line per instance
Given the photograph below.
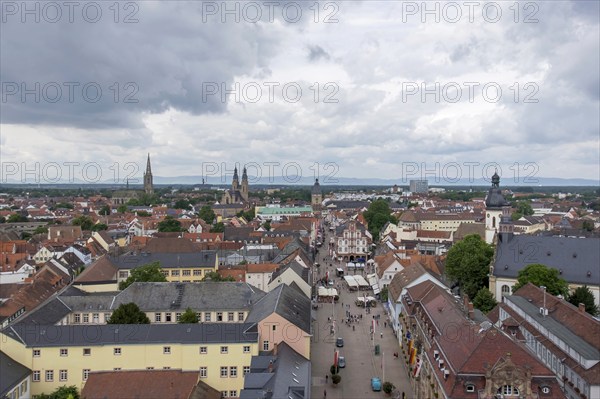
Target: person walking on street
x=382 y=335
x=326 y=378
x=324 y=393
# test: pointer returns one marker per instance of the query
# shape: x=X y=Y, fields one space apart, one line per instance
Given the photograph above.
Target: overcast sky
x=382 y=91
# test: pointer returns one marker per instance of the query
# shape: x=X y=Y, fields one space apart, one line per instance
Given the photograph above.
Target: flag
x=418 y=368
x=413 y=355
x=336 y=356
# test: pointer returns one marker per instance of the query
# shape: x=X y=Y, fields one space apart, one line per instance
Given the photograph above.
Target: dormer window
x=470 y=388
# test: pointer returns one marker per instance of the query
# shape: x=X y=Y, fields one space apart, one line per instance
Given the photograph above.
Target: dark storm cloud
x=174 y=56
x=317 y=53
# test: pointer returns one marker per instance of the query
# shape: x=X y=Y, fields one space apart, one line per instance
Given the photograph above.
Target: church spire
x=148 y=186
x=244 y=175
x=148 y=168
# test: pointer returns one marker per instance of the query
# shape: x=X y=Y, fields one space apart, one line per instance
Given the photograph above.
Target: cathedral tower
x=148 y=186
x=244 y=190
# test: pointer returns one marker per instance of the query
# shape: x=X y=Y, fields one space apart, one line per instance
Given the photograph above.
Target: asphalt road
x=362 y=363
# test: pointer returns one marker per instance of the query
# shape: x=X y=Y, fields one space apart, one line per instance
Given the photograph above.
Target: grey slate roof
x=209 y=295
x=49 y=313
x=167 y=260
x=290 y=376
x=12 y=372
x=349 y=205
x=132 y=334
x=573 y=257
x=287 y=302
x=559 y=330
x=295 y=267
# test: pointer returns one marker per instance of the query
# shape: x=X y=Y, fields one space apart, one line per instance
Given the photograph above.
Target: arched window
x=508 y=390
x=494 y=222
x=505 y=290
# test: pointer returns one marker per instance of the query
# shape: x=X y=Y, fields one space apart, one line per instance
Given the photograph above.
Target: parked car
x=339 y=342
x=341 y=362
x=376 y=384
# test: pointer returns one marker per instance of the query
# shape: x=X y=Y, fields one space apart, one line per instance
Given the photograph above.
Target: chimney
x=582 y=307
x=270 y=368
x=471 y=311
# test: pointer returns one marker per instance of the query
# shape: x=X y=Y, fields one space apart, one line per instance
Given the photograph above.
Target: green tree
x=63 y=392
x=128 y=313
x=384 y=294
x=218 y=228
x=388 y=387
x=16 y=218
x=484 y=300
x=85 y=222
x=182 y=204
x=207 y=214
x=248 y=215
x=99 y=227
x=143 y=214
x=584 y=295
x=214 y=276
x=147 y=273
x=188 y=317
x=468 y=264
x=122 y=208
x=41 y=230
x=378 y=214
x=267 y=225
x=588 y=225
x=336 y=379
x=104 y=211
x=169 y=225
x=541 y=275
x=523 y=209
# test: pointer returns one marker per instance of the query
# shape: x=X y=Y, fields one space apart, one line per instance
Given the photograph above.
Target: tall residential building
x=419 y=186
x=148 y=187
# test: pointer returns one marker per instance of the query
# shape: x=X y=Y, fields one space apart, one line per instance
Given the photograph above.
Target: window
x=117 y=369
x=545 y=389
x=49 y=375
x=149 y=368
x=508 y=390
x=233 y=371
x=36 y=376
x=86 y=318
x=175 y=273
x=77 y=318
x=230 y=316
x=106 y=317
x=232 y=394
x=203 y=372
x=470 y=388
x=274 y=327
x=197 y=272
x=505 y=290
x=265 y=345
x=165 y=273
x=246 y=369
x=86 y=373
x=224 y=349
x=246 y=349
x=219 y=316
x=186 y=273
x=177 y=317
x=64 y=352
x=166 y=368
x=223 y=372
x=203 y=350
x=123 y=274
x=62 y=375
x=207 y=316
x=117 y=351
x=168 y=317
x=166 y=350
x=36 y=353
x=96 y=318
x=157 y=317
x=87 y=351
x=240 y=316
x=223 y=394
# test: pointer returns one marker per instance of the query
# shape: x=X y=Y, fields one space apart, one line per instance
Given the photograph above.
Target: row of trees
x=467 y=264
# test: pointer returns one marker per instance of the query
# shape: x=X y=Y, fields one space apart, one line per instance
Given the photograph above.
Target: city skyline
x=379 y=87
